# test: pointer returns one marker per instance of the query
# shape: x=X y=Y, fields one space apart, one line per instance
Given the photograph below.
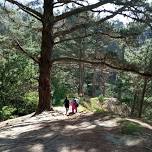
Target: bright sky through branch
x=121 y=18
x=110 y=7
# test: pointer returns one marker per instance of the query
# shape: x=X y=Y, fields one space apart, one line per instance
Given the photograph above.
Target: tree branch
x=26 y=9
x=114 y=64
x=85 y=25
x=25 y=52
x=80 y=10
x=147 y=20
x=94 y=6
x=88 y=35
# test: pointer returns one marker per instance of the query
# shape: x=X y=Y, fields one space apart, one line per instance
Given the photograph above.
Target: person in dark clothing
x=66 y=105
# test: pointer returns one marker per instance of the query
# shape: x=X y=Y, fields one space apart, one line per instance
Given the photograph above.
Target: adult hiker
x=66 y=105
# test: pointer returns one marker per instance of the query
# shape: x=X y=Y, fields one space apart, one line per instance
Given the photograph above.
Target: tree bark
x=119 y=95
x=81 y=69
x=142 y=97
x=103 y=80
x=94 y=83
x=133 y=104
x=45 y=64
x=81 y=79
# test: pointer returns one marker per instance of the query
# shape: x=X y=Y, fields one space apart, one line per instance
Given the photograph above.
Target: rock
x=115 y=106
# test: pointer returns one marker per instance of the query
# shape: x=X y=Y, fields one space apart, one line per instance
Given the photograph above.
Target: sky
x=123 y=19
x=94 y=1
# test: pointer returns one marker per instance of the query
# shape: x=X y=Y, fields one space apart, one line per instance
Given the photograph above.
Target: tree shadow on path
x=86 y=133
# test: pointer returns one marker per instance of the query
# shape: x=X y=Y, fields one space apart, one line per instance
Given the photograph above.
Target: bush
x=101 y=98
x=30 y=103
x=92 y=104
x=60 y=92
x=19 y=107
x=130 y=128
x=99 y=110
x=7 y=112
x=127 y=100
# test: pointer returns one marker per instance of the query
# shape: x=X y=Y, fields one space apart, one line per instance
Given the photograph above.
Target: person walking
x=66 y=105
x=74 y=105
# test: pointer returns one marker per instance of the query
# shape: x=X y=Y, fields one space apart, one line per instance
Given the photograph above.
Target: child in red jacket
x=74 y=106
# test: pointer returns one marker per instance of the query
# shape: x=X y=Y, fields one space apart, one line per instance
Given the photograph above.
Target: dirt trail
x=82 y=132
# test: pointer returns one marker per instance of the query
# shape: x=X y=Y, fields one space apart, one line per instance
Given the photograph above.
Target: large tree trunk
x=45 y=59
x=142 y=97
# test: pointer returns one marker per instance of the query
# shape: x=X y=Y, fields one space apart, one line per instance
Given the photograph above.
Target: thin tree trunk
x=94 y=83
x=103 y=89
x=119 y=93
x=45 y=65
x=133 y=104
x=81 y=79
x=142 y=97
x=102 y=81
x=81 y=68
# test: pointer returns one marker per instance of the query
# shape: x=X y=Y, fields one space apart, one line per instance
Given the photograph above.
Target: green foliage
x=148 y=114
x=98 y=110
x=7 y=112
x=92 y=104
x=101 y=98
x=16 y=79
x=148 y=109
x=30 y=101
x=127 y=100
x=60 y=89
x=18 y=74
x=130 y=128
x=71 y=95
x=19 y=107
x=60 y=92
x=132 y=31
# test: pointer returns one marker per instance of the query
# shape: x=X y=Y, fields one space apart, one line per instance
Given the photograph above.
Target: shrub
x=101 y=98
x=30 y=103
x=92 y=104
x=127 y=100
x=7 y=112
x=130 y=128
x=98 y=110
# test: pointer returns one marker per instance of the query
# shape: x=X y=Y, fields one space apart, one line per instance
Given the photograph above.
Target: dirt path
x=82 y=132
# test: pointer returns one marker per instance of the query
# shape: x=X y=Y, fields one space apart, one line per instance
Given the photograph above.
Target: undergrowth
x=130 y=128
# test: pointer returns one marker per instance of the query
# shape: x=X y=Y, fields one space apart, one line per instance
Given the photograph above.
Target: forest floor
x=81 y=132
